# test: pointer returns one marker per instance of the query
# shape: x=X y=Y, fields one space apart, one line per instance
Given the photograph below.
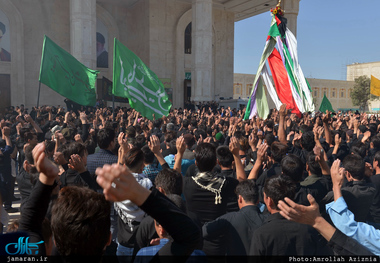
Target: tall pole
x=38 y=97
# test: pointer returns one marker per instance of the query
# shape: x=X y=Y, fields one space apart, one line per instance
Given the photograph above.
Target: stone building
x=337 y=91
x=189 y=44
x=356 y=70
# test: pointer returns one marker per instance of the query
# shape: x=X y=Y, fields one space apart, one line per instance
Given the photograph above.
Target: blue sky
x=331 y=34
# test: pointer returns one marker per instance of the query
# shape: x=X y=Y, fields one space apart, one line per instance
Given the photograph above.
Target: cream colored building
x=337 y=91
x=356 y=70
x=189 y=44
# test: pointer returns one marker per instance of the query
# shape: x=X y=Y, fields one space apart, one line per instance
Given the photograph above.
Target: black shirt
x=239 y=228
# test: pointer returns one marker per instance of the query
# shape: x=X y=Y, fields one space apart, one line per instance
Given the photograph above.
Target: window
x=188 y=39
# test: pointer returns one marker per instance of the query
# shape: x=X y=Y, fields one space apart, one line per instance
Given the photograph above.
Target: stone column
x=291 y=8
x=83 y=31
x=201 y=73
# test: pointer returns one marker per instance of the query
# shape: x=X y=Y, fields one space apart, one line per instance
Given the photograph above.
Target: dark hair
x=224 y=156
x=50 y=146
x=90 y=145
x=376 y=142
x=105 y=137
x=205 y=156
x=80 y=222
x=360 y=149
x=292 y=166
x=314 y=166
x=355 y=165
x=278 y=151
x=269 y=138
x=178 y=201
x=169 y=180
x=248 y=190
x=185 y=123
x=130 y=131
x=148 y=154
x=157 y=123
x=139 y=141
x=307 y=141
x=169 y=136
x=134 y=158
x=278 y=187
x=29 y=136
x=377 y=158
x=76 y=148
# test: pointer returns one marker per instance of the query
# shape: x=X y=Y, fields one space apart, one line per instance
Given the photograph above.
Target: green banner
x=132 y=79
x=325 y=105
x=63 y=73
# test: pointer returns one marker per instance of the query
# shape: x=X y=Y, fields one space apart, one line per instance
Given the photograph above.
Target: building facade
x=356 y=70
x=337 y=91
x=189 y=44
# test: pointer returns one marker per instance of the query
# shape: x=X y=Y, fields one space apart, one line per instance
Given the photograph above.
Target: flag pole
x=38 y=97
x=113 y=107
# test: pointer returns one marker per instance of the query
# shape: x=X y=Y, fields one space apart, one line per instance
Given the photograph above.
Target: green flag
x=325 y=105
x=66 y=75
x=132 y=79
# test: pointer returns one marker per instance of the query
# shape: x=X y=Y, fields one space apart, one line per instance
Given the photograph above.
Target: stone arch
x=178 y=93
x=113 y=31
x=15 y=67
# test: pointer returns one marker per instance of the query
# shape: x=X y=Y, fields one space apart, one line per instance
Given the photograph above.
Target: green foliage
x=361 y=92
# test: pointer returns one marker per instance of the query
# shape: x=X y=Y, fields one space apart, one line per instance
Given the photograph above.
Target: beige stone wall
x=39 y=18
x=359 y=69
x=337 y=91
x=153 y=29
x=367 y=69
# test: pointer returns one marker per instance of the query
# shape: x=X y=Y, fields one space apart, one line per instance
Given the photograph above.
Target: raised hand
x=48 y=170
x=76 y=163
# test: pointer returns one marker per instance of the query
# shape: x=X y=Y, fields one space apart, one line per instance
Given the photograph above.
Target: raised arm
x=254 y=174
x=181 y=147
x=234 y=148
x=281 y=128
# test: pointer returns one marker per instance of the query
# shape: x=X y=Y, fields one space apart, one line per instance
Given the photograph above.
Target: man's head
x=189 y=140
x=247 y=193
x=100 y=41
x=292 y=166
x=134 y=160
x=376 y=161
x=276 y=188
x=31 y=138
x=224 y=156
x=169 y=181
x=354 y=166
x=278 y=151
x=312 y=166
x=81 y=222
x=307 y=141
x=148 y=154
x=205 y=157
x=106 y=138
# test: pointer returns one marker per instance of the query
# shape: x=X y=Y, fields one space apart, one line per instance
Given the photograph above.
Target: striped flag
x=290 y=85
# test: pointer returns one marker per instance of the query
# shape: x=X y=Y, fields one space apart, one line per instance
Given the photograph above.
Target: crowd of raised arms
x=100 y=182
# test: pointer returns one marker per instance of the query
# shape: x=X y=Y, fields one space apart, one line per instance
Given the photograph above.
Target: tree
x=361 y=92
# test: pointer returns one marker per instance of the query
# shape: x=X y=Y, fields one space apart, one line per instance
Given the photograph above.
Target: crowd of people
x=201 y=182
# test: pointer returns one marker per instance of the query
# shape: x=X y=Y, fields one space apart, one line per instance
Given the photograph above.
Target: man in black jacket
x=278 y=236
x=238 y=226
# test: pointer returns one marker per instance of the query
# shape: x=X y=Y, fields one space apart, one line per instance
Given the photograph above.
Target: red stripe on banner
x=281 y=82
x=278 y=21
x=268 y=37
